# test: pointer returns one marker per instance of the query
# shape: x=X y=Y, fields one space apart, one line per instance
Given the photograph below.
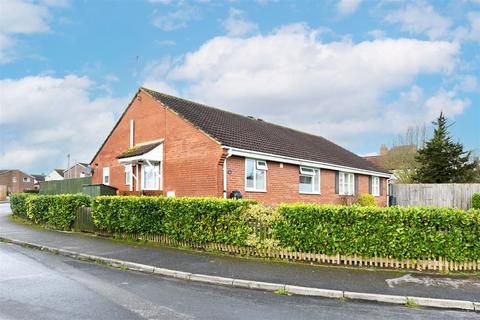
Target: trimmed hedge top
x=57 y=211
x=401 y=233
x=185 y=219
x=395 y=232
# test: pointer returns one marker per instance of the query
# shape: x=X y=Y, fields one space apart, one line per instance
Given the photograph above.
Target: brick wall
x=18 y=185
x=191 y=158
x=282 y=184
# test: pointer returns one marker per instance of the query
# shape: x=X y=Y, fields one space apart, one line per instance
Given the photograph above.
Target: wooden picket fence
x=84 y=223
x=429 y=264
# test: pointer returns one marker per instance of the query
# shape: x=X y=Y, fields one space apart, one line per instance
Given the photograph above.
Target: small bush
x=37 y=208
x=476 y=200
x=366 y=200
x=18 y=203
x=62 y=209
x=260 y=219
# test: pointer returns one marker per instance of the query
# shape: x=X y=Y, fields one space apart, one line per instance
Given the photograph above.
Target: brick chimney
x=383 y=150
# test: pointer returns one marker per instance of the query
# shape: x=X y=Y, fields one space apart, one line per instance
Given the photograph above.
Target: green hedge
x=185 y=219
x=63 y=209
x=57 y=211
x=18 y=203
x=37 y=208
x=402 y=233
x=476 y=200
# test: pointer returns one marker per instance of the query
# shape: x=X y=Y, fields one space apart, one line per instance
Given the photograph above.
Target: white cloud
x=45 y=118
x=176 y=19
x=22 y=17
x=415 y=108
x=421 y=18
x=290 y=77
x=237 y=25
x=347 y=7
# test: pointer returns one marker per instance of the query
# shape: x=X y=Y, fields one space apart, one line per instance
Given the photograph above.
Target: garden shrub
x=198 y=220
x=476 y=200
x=18 y=203
x=401 y=233
x=62 y=209
x=37 y=208
x=366 y=200
x=260 y=218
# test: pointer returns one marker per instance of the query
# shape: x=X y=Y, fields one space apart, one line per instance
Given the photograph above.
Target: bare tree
x=401 y=157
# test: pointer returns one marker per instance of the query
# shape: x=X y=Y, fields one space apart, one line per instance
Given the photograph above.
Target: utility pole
x=68 y=161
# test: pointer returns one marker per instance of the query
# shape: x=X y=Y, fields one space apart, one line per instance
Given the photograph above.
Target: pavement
x=38 y=285
x=389 y=282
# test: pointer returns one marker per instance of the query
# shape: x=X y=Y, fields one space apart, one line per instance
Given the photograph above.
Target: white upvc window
x=106 y=176
x=150 y=177
x=376 y=186
x=346 y=183
x=128 y=174
x=309 y=180
x=14 y=179
x=255 y=175
x=26 y=179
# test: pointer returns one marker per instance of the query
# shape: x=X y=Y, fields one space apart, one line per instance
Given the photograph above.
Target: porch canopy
x=142 y=153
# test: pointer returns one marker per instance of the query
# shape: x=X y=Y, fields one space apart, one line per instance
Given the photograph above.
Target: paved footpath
x=325 y=277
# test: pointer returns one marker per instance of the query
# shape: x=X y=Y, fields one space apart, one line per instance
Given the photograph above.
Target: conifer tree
x=442 y=160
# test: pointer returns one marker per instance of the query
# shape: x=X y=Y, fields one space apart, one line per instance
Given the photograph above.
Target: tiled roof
x=60 y=171
x=39 y=177
x=237 y=131
x=138 y=150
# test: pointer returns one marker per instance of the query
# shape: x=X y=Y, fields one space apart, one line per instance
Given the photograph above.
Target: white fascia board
x=300 y=162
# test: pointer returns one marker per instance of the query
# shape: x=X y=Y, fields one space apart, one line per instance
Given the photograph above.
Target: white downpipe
x=225 y=174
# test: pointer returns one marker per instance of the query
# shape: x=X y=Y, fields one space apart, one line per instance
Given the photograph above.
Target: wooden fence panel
x=453 y=195
x=67 y=186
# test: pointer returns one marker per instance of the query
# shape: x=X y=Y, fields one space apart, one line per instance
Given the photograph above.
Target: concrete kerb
x=257 y=285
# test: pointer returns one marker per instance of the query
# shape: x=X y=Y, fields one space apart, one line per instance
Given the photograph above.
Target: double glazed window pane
x=309 y=180
x=306 y=183
x=250 y=173
x=150 y=181
x=255 y=175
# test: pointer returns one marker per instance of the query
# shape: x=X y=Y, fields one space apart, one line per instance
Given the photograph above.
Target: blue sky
x=356 y=72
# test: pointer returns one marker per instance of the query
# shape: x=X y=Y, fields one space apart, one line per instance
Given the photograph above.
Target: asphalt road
x=39 y=285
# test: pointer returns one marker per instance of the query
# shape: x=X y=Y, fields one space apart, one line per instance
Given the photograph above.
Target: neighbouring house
x=55 y=174
x=395 y=160
x=37 y=178
x=16 y=180
x=164 y=145
x=78 y=170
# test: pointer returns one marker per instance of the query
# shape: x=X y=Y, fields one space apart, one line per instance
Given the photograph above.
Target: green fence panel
x=95 y=190
x=67 y=186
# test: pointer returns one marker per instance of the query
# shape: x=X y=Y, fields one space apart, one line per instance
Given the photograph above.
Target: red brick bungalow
x=166 y=145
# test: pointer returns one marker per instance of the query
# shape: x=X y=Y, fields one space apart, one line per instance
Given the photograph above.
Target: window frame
x=313 y=173
x=376 y=186
x=256 y=167
x=106 y=174
x=345 y=178
x=156 y=168
x=26 y=179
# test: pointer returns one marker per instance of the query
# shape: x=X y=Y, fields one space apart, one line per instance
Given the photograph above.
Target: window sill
x=249 y=190
x=310 y=193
